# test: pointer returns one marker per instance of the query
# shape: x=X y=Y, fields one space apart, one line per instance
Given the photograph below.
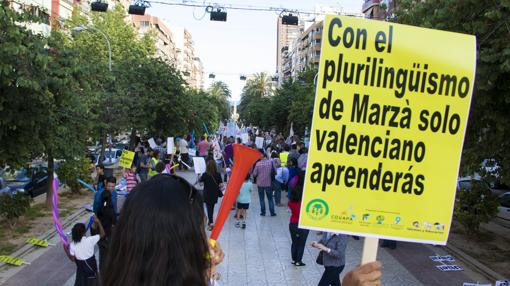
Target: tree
x=254 y=106
x=23 y=60
x=220 y=91
x=110 y=99
x=488 y=131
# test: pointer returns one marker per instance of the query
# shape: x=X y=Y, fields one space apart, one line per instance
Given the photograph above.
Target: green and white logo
x=317 y=209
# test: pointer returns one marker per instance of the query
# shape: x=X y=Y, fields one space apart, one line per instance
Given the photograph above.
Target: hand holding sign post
x=390 y=114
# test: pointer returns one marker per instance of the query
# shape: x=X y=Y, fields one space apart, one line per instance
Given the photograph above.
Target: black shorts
x=243 y=206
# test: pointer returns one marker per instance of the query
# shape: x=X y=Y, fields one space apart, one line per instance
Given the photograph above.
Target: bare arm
x=66 y=250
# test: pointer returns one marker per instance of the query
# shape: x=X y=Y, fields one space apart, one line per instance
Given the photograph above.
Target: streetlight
x=82 y=28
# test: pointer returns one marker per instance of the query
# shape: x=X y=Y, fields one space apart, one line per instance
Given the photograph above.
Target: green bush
x=475 y=206
x=71 y=170
x=12 y=207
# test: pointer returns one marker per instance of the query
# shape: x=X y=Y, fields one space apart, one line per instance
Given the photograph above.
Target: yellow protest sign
x=126 y=159
x=389 y=119
x=11 y=260
x=38 y=242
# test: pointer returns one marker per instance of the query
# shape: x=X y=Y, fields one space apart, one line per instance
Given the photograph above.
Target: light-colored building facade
x=165 y=45
x=304 y=51
x=188 y=61
x=379 y=9
x=285 y=38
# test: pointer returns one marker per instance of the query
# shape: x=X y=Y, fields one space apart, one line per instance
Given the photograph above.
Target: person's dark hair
x=286 y=148
x=297 y=193
x=247 y=177
x=293 y=147
x=100 y=166
x=155 y=154
x=293 y=162
x=203 y=137
x=303 y=150
x=164 y=221
x=160 y=167
x=210 y=168
x=111 y=179
x=274 y=155
x=78 y=232
x=239 y=141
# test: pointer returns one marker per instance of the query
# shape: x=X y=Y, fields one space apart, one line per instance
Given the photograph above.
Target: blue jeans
x=269 y=193
x=277 y=186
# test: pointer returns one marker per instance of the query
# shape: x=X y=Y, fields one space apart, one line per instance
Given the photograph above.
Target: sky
x=245 y=44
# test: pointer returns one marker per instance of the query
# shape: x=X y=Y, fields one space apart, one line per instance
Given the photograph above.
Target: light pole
x=82 y=28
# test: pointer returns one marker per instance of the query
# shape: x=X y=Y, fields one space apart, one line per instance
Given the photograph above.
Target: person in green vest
x=153 y=163
x=284 y=156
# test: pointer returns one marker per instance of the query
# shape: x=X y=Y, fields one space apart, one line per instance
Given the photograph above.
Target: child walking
x=243 y=202
x=81 y=251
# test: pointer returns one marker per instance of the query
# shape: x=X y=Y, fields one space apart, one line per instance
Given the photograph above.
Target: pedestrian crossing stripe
x=38 y=242
x=11 y=260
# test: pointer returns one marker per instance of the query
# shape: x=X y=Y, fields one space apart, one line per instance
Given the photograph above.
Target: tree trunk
x=132 y=140
x=103 y=146
x=51 y=170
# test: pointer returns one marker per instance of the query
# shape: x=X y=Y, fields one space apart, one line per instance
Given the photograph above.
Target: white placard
x=476 y=284
x=502 y=283
x=449 y=267
x=199 y=165
x=259 y=141
x=245 y=138
x=170 y=145
x=152 y=143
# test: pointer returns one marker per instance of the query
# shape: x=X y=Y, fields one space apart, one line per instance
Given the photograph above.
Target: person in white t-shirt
x=81 y=251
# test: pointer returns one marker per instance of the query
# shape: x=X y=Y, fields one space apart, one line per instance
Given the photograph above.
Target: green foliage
x=23 y=57
x=73 y=169
x=254 y=105
x=475 y=206
x=292 y=102
x=14 y=206
x=489 y=124
x=220 y=91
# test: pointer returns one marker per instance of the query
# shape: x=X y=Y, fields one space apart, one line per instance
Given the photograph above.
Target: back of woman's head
x=210 y=168
x=297 y=193
x=160 y=237
x=78 y=232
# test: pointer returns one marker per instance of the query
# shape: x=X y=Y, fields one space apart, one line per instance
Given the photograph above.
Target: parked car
x=504 y=206
x=112 y=156
x=32 y=181
x=468 y=183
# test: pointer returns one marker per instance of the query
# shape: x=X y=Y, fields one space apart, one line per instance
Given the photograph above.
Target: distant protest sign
x=390 y=114
x=259 y=141
x=126 y=159
x=199 y=165
x=170 y=148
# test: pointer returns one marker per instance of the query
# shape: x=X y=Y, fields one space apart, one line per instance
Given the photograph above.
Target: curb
x=473 y=263
x=27 y=248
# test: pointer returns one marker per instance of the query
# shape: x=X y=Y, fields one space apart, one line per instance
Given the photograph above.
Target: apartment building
x=285 y=38
x=165 y=45
x=188 y=61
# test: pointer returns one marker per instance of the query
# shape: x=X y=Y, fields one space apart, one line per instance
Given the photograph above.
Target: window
x=145 y=24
